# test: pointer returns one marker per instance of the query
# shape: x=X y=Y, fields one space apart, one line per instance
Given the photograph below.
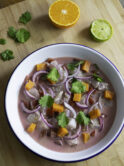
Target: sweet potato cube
x=86 y=85
x=86 y=66
x=77 y=97
x=31 y=128
x=41 y=66
x=58 y=107
x=62 y=132
x=86 y=137
x=29 y=85
x=95 y=114
x=108 y=94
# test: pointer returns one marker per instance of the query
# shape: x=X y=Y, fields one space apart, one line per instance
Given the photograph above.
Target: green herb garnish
x=12 y=32
x=46 y=101
x=72 y=66
x=7 y=55
x=2 y=41
x=97 y=77
x=62 y=119
x=82 y=118
x=22 y=35
x=53 y=75
x=78 y=87
x=25 y=17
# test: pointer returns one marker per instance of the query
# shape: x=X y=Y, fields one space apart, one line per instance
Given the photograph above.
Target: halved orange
x=64 y=13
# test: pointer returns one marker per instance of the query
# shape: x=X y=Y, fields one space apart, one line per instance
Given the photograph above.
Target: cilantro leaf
x=46 y=101
x=97 y=77
x=12 y=32
x=22 y=35
x=72 y=66
x=53 y=75
x=82 y=118
x=25 y=17
x=78 y=87
x=62 y=119
x=2 y=41
x=7 y=55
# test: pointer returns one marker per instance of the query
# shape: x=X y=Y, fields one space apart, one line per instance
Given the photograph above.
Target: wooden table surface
x=12 y=152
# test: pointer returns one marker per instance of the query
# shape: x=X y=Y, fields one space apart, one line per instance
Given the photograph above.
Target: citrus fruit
x=64 y=13
x=101 y=30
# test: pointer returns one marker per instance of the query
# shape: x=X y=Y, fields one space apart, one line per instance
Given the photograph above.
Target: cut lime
x=101 y=30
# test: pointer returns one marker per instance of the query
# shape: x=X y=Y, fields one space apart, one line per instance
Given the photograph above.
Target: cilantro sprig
x=62 y=119
x=25 y=17
x=78 y=87
x=82 y=118
x=7 y=55
x=46 y=101
x=2 y=41
x=72 y=66
x=53 y=75
x=97 y=77
x=21 y=35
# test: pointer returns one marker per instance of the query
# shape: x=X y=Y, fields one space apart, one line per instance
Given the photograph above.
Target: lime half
x=101 y=30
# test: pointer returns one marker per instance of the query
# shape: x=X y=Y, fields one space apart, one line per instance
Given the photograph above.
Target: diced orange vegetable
x=86 y=66
x=31 y=128
x=52 y=82
x=95 y=114
x=62 y=132
x=86 y=85
x=29 y=85
x=86 y=137
x=41 y=66
x=77 y=97
x=58 y=107
x=108 y=94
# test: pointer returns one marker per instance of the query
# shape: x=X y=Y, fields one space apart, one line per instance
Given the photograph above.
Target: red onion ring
x=27 y=110
x=45 y=121
x=43 y=89
x=78 y=69
x=30 y=95
x=71 y=109
x=67 y=86
x=95 y=104
x=38 y=73
x=88 y=96
x=75 y=135
x=81 y=105
x=101 y=122
x=84 y=78
x=52 y=94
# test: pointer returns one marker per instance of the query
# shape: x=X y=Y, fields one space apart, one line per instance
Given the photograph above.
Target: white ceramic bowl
x=63 y=50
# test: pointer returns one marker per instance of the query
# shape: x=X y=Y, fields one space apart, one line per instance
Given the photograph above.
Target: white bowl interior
x=63 y=50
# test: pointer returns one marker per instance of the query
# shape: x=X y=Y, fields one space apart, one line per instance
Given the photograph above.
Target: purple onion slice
x=30 y=95
x=88 y=96
x=78 y=69
x=28 y=110
x=45 y=121
x=71 y=109
x=38 y=73
x=81 y=105
x=67 y=86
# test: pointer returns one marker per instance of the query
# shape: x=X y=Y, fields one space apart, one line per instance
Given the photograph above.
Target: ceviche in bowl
x=64 y=102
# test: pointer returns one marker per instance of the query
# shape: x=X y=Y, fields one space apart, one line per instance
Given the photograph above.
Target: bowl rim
x=14 y=133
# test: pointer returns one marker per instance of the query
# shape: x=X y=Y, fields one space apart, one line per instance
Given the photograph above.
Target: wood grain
x=12 y=152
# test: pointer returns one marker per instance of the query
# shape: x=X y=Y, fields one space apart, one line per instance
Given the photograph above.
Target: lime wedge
x=101 y=30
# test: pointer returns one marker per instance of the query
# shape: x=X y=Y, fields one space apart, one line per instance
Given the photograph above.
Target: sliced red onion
x=30 y=95
x=75 y=135
x=84 y=78
x=94 y=105
x=52 y=94
x=67 y=86
x=43 y=89
x=27 y=110
x=101 y=122
x=88 y=96
x=81 y=105
x=71 y=109
x=78 y=69
x=38 y=73
x=45 y=121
